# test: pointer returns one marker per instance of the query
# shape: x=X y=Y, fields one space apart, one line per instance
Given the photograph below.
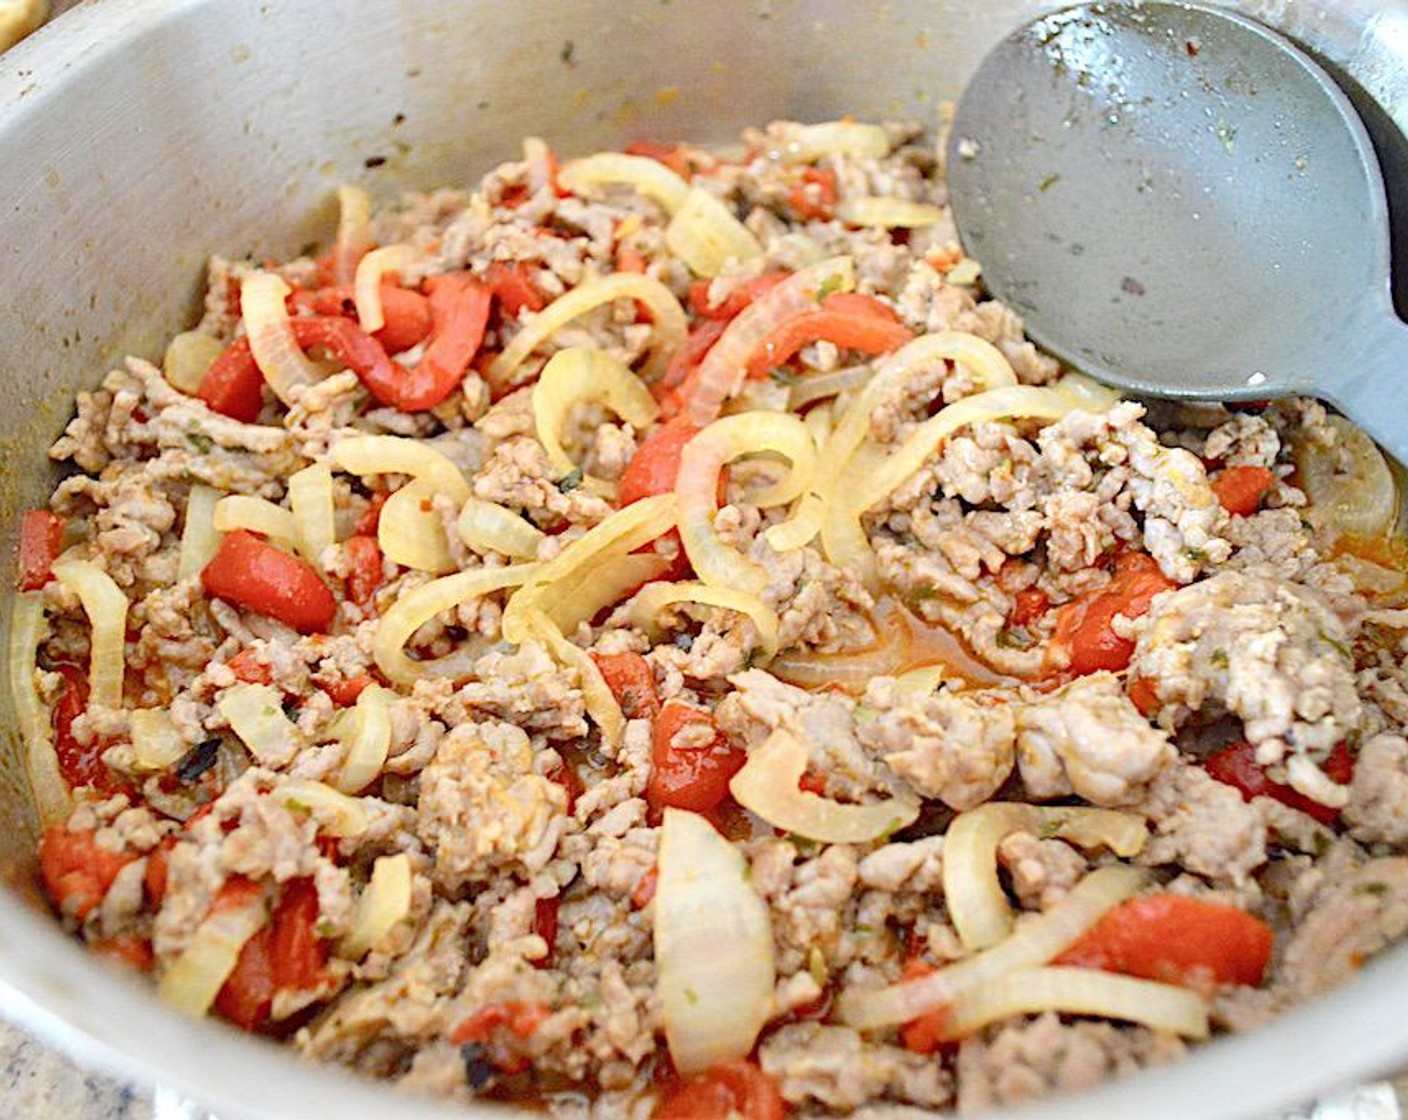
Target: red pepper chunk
x=631 y=682
x=76 y=870
x=673 y=390
x=1237 y=766
x=257 y=576
x=41 y=541
x=814 y=196
x=406 y=313
x=1241 y=489
x=927 y=1034
x=656 y=464
x=739 y=297
x=513 y=286
x=521 y=1018
x=365 y=575
x=671 y=155
x=693 y=761
x=729 y=1089
x=1177 y=940
x=459 y=312
x=1085 y=626
x=851 y=321
x=1028 y=606
x=285 y=955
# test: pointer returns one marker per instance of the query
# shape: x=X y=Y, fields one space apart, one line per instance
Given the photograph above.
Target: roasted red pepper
x=41 y=540
x=257 y=576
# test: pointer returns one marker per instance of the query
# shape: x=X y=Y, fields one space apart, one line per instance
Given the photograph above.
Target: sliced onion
x=697 y=488
x=410 y=531
x=851 y=671
x=580 y=375
x=200 y=540
x=336 y=813
x=671 y=324
x=623 y=532
x=413 y=609
x=1087 y=393
x=579 y=600
x=385 y=902
x=47 y=787
x=1040 y=939
x=810 y=143
x=648 y=176
x=310 y=498
x=920 y=682
x=255 y=713
x=188 y=356
x=706 y=235
x=156 y=744
x=654 y=598
x=725 y=368
x=819 y=386
x=1078 y=991
x=106 y=608
x=258 y=515
x=800 y=529
x=366 y=291
x=597 y=697
x=195 y=978
x=490 y=527
x=362 y=455
x=271 y=339
x=354 y=231
x=888 y=213
x=976 y=902
x=365 y=734
x=540 y=162
x=768 y=785
x=1359 y=497
x=713 y=946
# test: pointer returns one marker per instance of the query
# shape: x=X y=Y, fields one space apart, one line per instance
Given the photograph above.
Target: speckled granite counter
x=36 y=1083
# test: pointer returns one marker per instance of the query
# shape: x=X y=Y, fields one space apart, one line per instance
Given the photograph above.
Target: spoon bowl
x=1182 y=203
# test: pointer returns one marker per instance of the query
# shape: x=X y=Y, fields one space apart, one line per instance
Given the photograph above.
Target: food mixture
x=647 y=637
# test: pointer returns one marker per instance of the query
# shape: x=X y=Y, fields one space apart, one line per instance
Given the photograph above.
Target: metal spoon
x=1181 y=203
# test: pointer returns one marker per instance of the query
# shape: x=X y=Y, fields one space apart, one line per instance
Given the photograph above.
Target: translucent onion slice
x=809 y=144
x=336 y=813
x=365 y=734
x=1042 y=938
x=580 y=375
x=623 y=532
x=271 y=340
x=920 y=682
x=579 y=600
x=490 y=527
x=697 y=488
x=801 y=528
x=255 y=713
x=411 y=533
x=310 y=498
x=888 y=213
x=1350 y=483
x=258 y=515
x=706 y=235
x=541 y=163
x=156 y=744
x=671 y=324
x=713 y=946
x=725 y=367
x=362 y=455
x=366 y=291
x=600 y=701
x=648 y=176
x=385 y=902
x=768 y=785
x=188 y=356
x=354 y=231
x=851 y=671
x=655 y=597
x=1087 y=393
x=415 y=608
x=976 y=902
x=48 y=790
x=195 y=978
x=106 y=608
x=200 y=540
x=1078 y=991
x=819 y=386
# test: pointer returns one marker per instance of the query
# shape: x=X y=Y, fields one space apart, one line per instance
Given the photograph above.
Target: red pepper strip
x=459 y=310
x=645 y=889
x=79 y=765
x=233 y=385
x=629 y=677
x=729 y=1089
x=567 y=777
x=1237 y=767
x=1029 y=605
x=512 y=285
x=41 y=541
x=76 y=870
x=673 y=390
x=344 y=691
x=671 y=155
x=407 y=313
x=851 y=321
x=693 y=760
x=519 y=1016
x=1177 y=940
x=545 y=926
x=1085 y=626
x=285 y=955
x=927 y=1034
x=739 y=297
x=128 y=949
x=259 y=577
x=815 y=195
x=365 y=576
x=251 y=666
x=656 y=463
x=1241 y=489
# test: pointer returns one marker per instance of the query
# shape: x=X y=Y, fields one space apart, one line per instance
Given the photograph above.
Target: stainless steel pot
x=137 y=136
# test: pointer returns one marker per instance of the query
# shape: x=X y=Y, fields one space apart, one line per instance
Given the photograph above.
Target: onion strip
x=655 y=597
x=706 y=235
x=411 y=532
x=366 y=291
x=188 y=355
x=362 y=455
x=258 y=515
x=200 y=540
x=888 y=213
x=768 y=785
x=810 y=142
x=195 y=978
x=671 y=324
x=271 y=340
x=647 y=176
x=365 y=734
x=574 y=601
x=255 y=713
x=47 y=787
x=490 y=527
x=354 y=231
x=156 y=744
x=310 y=498
x=385 y=901
x=106 y=607
x=336 y=813
x=599 y=700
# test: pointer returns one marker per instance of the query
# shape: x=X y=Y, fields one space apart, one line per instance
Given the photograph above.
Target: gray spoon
x=1181 y=203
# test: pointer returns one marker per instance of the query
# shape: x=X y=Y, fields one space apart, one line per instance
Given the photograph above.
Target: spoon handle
x=1374 y=391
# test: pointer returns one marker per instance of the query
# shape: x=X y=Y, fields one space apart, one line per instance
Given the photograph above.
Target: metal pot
x=138 y=136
